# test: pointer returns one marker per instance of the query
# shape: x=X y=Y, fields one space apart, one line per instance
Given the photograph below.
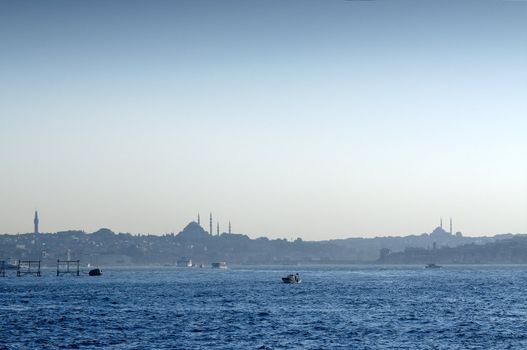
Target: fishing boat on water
x=95 y=272
x=292 y=279
x=219 y=265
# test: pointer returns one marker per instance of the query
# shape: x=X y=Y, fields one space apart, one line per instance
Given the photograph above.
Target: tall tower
x=35 y=221
x=230 y=227
x=210 y=224
x=198 y=219
x=441 y=222
x=450 y=225
x=217 y=228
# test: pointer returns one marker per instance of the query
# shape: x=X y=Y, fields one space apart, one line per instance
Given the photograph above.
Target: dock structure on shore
x=28 y=267
x=63 y=267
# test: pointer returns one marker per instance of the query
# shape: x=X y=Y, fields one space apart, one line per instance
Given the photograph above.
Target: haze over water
x=316 y=119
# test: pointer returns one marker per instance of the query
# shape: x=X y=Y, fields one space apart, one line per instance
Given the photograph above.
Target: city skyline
x=451 y=231
x=312 y=119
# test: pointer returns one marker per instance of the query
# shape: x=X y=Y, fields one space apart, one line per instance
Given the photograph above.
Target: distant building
x=35 y=222
x=193 y=231
x=439 y=232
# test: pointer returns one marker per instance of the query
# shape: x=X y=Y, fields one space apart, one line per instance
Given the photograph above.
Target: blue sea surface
x=335 y=307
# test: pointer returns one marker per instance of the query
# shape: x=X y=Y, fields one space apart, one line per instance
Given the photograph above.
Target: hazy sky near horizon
x=319 y=119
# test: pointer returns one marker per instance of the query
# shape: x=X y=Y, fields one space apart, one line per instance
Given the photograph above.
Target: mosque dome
x=193 y=231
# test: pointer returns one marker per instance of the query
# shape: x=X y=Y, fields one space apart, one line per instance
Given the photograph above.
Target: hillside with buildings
x=511 y=250
x=105 y=247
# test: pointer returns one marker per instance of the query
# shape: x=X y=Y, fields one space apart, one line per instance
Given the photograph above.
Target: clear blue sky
x=318 y=119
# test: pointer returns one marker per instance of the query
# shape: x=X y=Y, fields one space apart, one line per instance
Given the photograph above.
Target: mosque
x=440 y=232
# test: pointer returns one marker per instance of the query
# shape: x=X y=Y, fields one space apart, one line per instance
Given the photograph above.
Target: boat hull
x=432 y=266
x=219 y=265
x=291 y=280
x=95 y=272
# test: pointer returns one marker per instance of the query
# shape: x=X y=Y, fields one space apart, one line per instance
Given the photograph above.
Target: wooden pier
x=63 y=267
x=28 y=267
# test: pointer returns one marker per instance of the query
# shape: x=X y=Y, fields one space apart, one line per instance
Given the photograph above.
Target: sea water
x=335 y=307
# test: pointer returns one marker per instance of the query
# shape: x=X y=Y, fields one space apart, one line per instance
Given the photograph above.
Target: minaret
x=217 y=228
x=451 y=225
x=441 y=223
x=35 y=221
x=210 y=224
x=230 y=227
x=198 y=219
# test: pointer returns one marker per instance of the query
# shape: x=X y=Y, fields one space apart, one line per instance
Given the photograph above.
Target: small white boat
x=292 y=279
x=184 y=262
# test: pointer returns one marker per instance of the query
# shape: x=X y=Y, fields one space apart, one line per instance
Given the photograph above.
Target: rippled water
x=249 y=308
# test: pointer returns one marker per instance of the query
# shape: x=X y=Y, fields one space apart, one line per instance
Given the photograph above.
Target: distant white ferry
x=184 y=262
x=219 y=265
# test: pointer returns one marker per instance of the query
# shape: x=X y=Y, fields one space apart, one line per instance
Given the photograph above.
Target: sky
x=317 y=119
